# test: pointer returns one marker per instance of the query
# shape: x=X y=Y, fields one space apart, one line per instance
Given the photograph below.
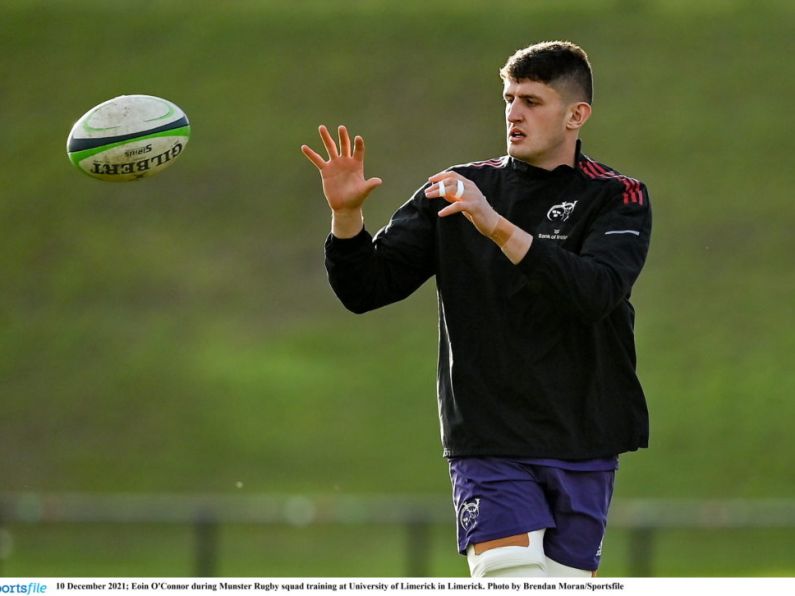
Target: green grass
x=178 y=335
x=355 y=551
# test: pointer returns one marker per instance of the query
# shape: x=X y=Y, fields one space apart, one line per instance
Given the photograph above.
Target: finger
x=434 y=191
x=345 y=141
x=451 y=209
x=358 y=148
x=453 y=184
x=444 y=189
x=328 y=141
x=373 y=183
x=313 y=156
x=459 y=189
x=444 y=176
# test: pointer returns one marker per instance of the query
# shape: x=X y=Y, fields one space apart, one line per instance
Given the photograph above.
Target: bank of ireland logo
x=468 y=514
x=560 y=212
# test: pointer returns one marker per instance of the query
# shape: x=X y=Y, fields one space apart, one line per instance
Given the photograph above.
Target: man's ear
x=578 y=115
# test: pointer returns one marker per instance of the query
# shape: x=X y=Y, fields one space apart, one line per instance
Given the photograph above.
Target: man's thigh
x=495 y=498
x=579 y=502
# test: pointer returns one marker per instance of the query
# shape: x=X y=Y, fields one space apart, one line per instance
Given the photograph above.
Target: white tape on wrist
x=459 y=190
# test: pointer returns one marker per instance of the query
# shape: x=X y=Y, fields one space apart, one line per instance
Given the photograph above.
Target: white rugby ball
x=128 y=137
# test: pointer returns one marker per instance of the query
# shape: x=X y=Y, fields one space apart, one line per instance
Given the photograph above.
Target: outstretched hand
x=344 y=184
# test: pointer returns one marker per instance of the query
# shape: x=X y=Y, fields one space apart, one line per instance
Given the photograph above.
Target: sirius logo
x=560 y=212
x=468 y=514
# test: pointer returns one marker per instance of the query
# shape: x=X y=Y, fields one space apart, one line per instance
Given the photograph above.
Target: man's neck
x=566 y=156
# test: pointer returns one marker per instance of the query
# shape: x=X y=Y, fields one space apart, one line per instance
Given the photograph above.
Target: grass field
x=286 y=551
x=178 y=334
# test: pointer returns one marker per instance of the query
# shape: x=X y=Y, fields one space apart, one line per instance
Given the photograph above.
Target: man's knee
x=515 y=556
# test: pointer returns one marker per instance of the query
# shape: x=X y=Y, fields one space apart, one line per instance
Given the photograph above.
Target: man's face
x=536 y=116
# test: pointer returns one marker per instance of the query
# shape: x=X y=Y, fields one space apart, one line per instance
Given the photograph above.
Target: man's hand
x=344 y=184
x=465 y=197
x=470 y=201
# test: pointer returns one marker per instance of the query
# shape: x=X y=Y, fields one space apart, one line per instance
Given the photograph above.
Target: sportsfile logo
x=28 y=588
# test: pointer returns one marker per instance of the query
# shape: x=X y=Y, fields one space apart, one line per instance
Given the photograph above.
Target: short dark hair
x=553 y=63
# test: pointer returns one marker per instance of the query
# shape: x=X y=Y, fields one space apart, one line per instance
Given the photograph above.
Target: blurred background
x=170 y=345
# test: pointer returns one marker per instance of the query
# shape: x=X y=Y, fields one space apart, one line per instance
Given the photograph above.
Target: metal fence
x=641 y=518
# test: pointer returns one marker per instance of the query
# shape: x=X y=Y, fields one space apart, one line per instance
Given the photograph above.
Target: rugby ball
x=128 y=137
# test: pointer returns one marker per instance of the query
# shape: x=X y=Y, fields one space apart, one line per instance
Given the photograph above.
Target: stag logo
x=561 y=212
x=468 y=514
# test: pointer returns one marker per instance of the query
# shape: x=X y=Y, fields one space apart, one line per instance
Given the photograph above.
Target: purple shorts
x=497 y=497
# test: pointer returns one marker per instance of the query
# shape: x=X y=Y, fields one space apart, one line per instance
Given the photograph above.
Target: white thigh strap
x=510 y=561
x=555 y=569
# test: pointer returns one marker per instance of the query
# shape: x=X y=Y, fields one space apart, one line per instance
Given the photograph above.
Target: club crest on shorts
x=560 y=212
x=468 y=514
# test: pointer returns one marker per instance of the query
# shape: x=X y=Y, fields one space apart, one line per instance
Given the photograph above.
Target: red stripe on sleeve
x=633 y=192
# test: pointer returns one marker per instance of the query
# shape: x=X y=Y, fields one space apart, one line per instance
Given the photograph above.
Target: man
x=535 y=254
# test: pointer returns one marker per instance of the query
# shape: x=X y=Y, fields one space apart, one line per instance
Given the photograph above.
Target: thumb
x=373 y=183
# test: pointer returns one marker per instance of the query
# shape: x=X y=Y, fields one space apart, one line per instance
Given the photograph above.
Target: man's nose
x=513 y=113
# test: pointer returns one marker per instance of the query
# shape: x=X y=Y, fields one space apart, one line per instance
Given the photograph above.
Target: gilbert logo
x=561 y=212
x=137 y=166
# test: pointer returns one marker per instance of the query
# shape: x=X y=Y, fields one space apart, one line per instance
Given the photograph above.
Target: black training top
x=535 y=359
